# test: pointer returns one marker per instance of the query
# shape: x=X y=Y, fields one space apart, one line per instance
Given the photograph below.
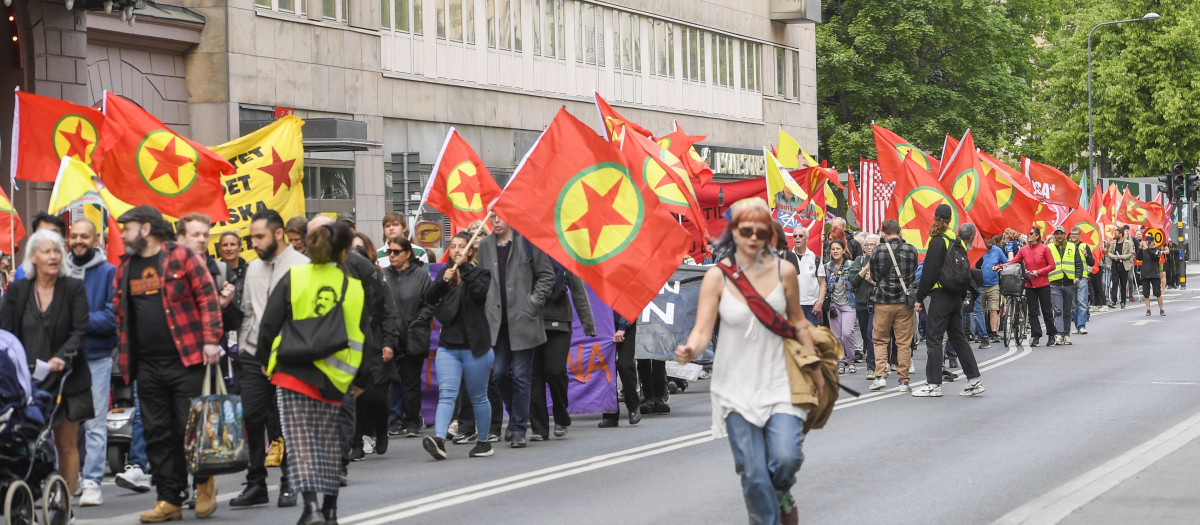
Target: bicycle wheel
x=18 y=504
x=56 y=501
x=1006 y=314
x=1023 y=321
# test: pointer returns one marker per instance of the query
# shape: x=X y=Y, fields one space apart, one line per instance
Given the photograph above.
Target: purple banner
x=591 y=364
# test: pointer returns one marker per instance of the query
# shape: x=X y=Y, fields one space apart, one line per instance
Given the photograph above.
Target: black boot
x=329 y=509
x=312 y=513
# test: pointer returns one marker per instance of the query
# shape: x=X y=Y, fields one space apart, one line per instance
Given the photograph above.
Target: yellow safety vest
x=316 y=286
x=1064 y=263
x=946 y=238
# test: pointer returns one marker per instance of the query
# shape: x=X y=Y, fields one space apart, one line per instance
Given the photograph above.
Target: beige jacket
x=1126 y=256
x=261 y=277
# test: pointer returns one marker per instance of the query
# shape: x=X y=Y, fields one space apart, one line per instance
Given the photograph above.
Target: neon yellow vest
x=1064 y=263
x=310 y=288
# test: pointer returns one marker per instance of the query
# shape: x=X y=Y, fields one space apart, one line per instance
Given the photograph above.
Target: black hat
x=943 y=211
x=143 y=214
x=347 y=218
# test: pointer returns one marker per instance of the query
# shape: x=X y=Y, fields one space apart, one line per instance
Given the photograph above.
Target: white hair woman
x=48 y=312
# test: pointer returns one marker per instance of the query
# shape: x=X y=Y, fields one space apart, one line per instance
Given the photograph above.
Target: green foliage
x=1145 y=99
x=924 y=68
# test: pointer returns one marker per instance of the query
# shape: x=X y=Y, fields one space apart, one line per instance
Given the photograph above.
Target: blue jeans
x=977 y=317
x=1082 y=312
x=513 y=371
x=137 y=443
x=452 y=366
x=767 y=458
x=95 y=430
x=808 y=312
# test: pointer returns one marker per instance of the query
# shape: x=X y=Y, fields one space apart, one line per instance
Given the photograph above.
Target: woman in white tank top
x=751 y=396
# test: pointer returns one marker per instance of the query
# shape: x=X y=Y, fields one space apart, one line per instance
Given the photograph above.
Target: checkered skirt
x=310 y=429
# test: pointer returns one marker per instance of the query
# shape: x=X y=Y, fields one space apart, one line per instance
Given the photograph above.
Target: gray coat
x=529 y=281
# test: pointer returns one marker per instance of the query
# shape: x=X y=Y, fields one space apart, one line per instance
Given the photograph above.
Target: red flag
x=914 y=201
x=991 y=164
x=1051 y=185
x=114 y=245
x=853 y=197
x=1134 y=211
x=47 y=129
x=891 y=150
x=981 y=196
x=682 y=146
x=666 y=176
x=948 y=148
x=460 y=186
x=613 y=121
x=588 y=206
x=12 y=230
x=1089 y=232
x=143 y=162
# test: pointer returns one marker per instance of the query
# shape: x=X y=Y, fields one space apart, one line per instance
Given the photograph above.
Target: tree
x=924 y=68
x=1145 y=99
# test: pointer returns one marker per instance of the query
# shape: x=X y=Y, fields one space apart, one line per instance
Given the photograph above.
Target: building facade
x=381 y=83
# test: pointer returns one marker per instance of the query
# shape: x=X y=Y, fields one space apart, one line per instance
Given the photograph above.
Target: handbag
x=315 y=338
x=215 y=440
x=910 y=296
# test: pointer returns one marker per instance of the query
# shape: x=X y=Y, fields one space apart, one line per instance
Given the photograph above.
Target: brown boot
x=161 y=512
x=206 y=498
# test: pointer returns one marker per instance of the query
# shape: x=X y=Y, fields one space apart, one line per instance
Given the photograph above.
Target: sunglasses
x=762 y=235
x=396 y=252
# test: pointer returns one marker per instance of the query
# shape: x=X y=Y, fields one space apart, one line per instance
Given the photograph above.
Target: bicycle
x=1014 y=310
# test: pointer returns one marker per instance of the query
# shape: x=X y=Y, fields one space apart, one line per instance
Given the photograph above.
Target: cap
x=944 y=211
x=143 y=213
x=346 y=217
x=1059 y=229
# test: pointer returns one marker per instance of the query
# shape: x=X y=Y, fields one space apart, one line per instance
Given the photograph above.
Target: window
x=780 y=72
x=284 y=6
x=662 y=48
x=328 y=182
x=589 y=33
x=504 y=24
x=456 y=20
x=795 y=74
x=627 y=38
x=751 y=60
x=694 y=58
x=723 y=60
x=401 y=15
x=548 y=28
x=334 y=10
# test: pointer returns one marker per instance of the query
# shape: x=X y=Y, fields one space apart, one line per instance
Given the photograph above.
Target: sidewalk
x=1166 y=492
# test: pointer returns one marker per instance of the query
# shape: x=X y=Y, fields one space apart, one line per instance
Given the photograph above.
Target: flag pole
x=475 y=235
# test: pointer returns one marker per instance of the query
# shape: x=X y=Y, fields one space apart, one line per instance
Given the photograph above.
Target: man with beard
x=88 y=264
x=168 y=331
x=275 y=257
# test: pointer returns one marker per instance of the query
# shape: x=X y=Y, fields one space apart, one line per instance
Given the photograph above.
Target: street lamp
x=1149 y=17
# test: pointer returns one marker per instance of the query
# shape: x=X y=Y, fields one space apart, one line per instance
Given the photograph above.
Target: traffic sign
x=1157 y=236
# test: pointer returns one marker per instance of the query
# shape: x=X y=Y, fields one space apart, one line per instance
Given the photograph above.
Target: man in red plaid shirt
x=169 y=327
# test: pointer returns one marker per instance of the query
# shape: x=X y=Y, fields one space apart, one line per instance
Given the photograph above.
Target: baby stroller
x=27 y=456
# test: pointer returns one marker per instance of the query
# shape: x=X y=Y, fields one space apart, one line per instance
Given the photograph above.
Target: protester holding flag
x=751 y=394
x=1151 y=274
x=943 y=316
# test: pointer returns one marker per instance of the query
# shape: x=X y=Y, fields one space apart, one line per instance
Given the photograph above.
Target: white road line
x=419 y=506
x=1059 y=503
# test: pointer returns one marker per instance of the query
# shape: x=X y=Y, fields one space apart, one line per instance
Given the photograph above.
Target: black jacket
x=464 y=303
x=557 y=313
x=379 y=311
x=935 y=258
x=413 y=316
x=68 y=321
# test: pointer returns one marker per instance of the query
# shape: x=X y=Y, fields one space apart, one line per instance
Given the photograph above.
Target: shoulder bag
x=315 y=338
x=910 y=296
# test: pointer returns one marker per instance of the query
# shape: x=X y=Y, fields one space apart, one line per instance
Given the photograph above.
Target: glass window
x=516 y=24
x=558 y=28
x=780 y=72
x=505 y=22
x=334 y=10
x=750 y=66
x=537 y=28
x=336 y=183
x=590 y=29
x=469 y=21
x=385 y=15
x=723 y=60
x=491 y=23
x=662 y=50
x=440 y=19
x=548 y=26
x=263 y=3
x=625 y=34
x=693 y=54
x=454 y=19
x=795 y=74
x=417 y=17
x=285 y=6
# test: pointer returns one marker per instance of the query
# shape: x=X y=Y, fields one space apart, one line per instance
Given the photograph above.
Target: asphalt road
x=1049 y=416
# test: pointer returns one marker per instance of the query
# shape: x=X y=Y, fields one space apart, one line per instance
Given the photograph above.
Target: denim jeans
x=137 y=443
x=1063 y=299
x=977 y=320
x=513 y=371
x=95 y=430
x=1081 y=303
x=767 y=458
x=452 y=367
x=808 y=313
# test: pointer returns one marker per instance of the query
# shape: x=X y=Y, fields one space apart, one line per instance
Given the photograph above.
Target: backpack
x=956 y=270
x=560 y=274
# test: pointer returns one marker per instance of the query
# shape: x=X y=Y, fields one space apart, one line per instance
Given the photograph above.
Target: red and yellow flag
x=979 y=195
x=12 y=230
x=1013 y=192
x=665 y=175
x=587 y=205
x=914 y=201
x=1089 y=232
x=47 y=129
x=143 y=162
x=682 y=146
x=1135 y=212
x=461 y=187
x=891 y=149
x=613 y=121
x=1050 y=185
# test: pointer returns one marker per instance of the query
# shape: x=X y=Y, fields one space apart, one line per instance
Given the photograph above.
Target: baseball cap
x=143 y=213
x=346 y=218
x=944 y=211
x=1059 y=229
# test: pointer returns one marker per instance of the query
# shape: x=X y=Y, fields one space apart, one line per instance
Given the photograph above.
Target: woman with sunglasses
x=751 y=395
x=409 y=280
x=1038 y=264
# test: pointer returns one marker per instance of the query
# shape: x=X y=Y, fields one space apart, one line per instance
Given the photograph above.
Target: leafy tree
x=924 y=68
x=1145 y=100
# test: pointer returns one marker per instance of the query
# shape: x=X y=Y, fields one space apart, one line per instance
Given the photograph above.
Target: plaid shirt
x=887 y=283
x=189 y=299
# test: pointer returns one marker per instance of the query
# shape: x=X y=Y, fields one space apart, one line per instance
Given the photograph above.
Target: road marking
x=1059 y=503
x=134 y=517
x=426 y=504
x=1188 y=308
x=1144 y=322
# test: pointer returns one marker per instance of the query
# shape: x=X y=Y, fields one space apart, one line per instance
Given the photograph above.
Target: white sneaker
x=368 y=445
x=973 y=389
x=904 y=387
x=1066 y=340
x=133 y=479
x=91 y=496
x=928 y=391
x=1083 y=330
x=879 y=384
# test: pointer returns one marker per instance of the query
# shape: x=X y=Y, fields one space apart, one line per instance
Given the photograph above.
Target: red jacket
x=1037 y=258
x=189 y=299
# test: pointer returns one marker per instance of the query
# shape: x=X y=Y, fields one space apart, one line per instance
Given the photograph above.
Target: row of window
x=333 y=10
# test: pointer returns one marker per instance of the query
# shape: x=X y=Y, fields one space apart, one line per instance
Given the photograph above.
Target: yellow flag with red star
x=270 y=175
x=461 y=187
